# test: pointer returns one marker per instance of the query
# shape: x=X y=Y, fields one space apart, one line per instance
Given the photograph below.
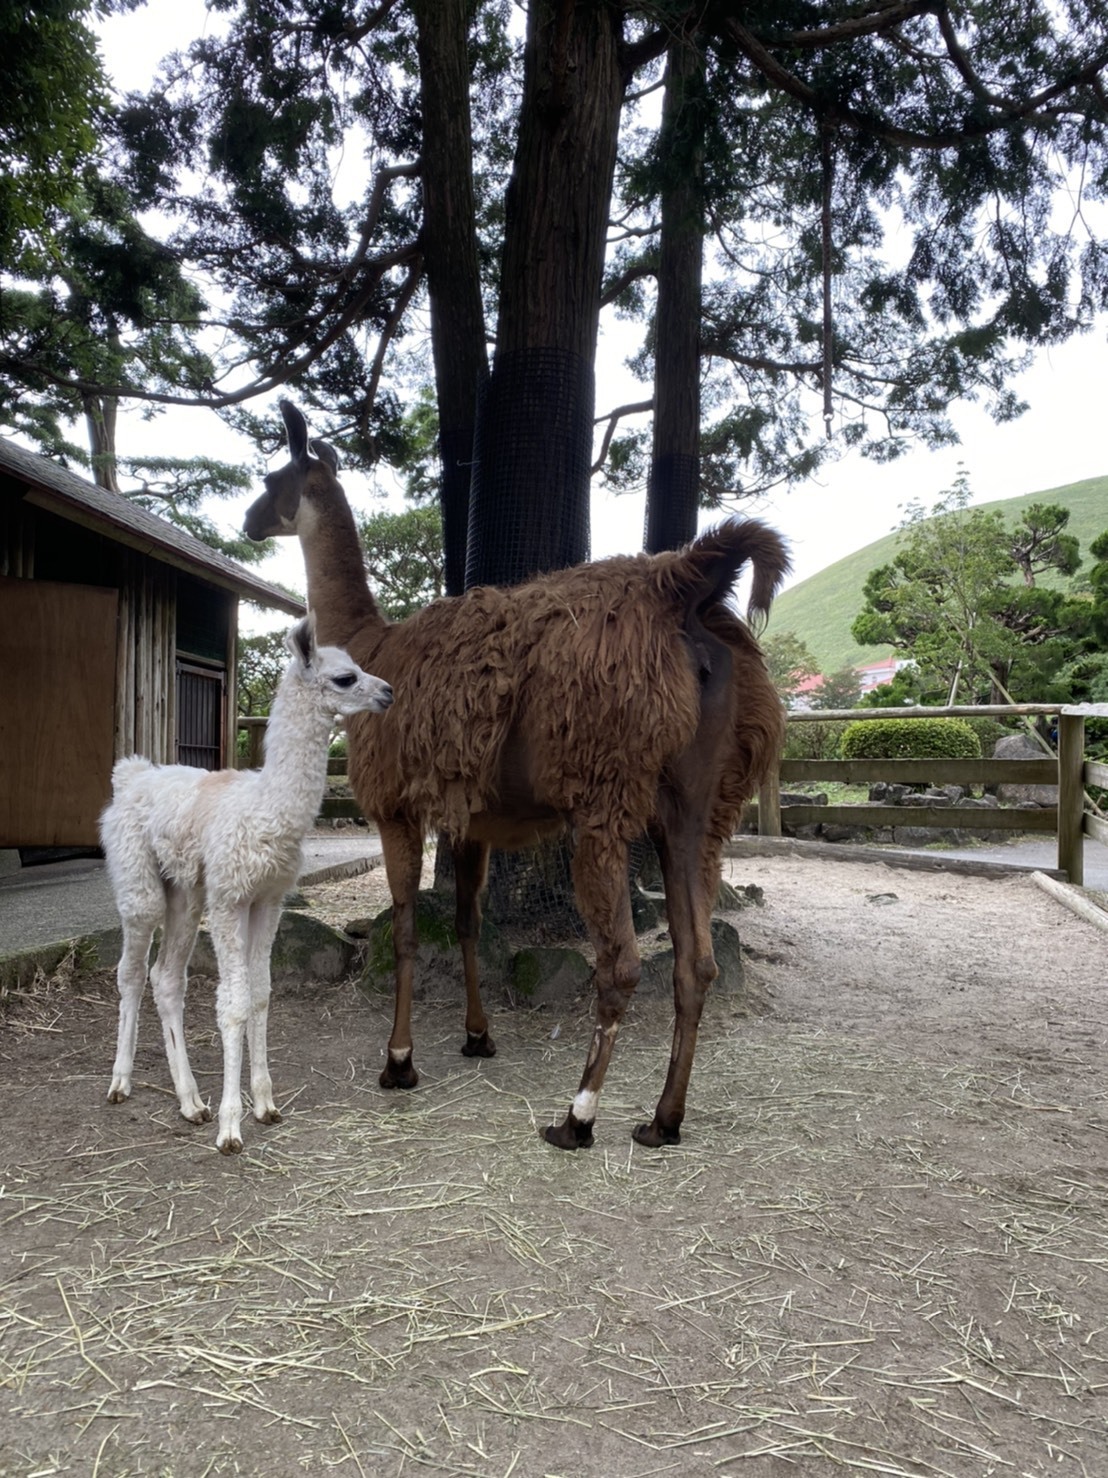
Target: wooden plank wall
x=145 y=717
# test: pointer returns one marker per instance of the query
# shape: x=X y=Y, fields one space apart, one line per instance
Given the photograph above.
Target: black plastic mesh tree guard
x=456 y=454
x=529 y=495
x=672 y=503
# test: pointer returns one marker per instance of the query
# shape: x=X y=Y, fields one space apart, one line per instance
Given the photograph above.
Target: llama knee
x=616 y=985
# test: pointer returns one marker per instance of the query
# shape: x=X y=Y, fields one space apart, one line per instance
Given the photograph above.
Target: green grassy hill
x=820 y=610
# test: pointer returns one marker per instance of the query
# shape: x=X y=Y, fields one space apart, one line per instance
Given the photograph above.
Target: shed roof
x=53 y=487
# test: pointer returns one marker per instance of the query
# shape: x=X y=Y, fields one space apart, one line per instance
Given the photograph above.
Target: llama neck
x=294 y=775
x=337 y=589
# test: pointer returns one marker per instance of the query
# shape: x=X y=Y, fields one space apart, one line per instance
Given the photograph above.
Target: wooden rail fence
x=1071 y=819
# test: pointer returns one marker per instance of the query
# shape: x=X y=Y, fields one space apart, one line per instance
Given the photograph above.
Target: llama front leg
x=264 y=919
x=130 y=979
x=230 y=929
x=600 y=884
x=169 y=978
x=471 y=867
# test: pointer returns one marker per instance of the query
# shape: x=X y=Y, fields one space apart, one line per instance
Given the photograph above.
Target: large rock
x=305 y=949
x=438 y=968
x=547 y=976
x=1020 y=747
x=657 y=965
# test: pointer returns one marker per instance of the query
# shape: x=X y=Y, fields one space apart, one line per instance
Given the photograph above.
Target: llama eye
x=347 y=680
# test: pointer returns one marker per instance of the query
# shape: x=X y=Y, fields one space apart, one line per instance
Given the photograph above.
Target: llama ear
x=301 y=639
x=327 y=454
x=296 y=430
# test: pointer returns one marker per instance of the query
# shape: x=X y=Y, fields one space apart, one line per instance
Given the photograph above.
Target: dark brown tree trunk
x=449 y=241
x=673 y=489
x=529 y=498
x=100 y=418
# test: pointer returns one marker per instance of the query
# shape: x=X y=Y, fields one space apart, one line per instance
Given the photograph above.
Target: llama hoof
x=399 y=1074
x=232 y=1145
x=119 y=1092
x=268 y=1115
x=196 y=1113
x=654 y=1136
x=570 y=1135
x=479 y=1044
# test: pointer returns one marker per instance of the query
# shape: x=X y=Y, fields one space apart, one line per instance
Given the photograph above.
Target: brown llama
x=615 y=698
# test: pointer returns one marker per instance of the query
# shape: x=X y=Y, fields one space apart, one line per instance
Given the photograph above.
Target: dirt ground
x=881 y=1248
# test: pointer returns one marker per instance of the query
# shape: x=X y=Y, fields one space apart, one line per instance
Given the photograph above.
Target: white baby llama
x=177 y=839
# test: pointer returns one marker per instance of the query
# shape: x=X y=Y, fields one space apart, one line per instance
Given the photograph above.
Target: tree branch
x=613 y=419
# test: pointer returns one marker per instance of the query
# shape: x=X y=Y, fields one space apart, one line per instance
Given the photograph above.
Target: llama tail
x=705 y=571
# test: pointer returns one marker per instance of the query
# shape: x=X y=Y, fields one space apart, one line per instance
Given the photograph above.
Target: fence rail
x=1069 y=770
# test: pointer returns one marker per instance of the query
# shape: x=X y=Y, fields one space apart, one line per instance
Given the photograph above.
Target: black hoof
x=399 y=1074
x=478 y=1044
x=654 y=1135
x=571 y=1135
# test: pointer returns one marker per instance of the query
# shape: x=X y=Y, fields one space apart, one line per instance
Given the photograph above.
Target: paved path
x=59 y=901
x=1040 y=851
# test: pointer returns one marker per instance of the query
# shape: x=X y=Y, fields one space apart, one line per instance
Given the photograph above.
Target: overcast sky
x=1062 y=438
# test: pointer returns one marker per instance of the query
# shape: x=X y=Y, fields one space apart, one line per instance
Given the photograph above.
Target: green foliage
x=789 y=662
x=905 y=689
x=909 y=738
x=820 y=610
x=1040 y=543
x=951 y=601
x=946 y=261
x=177 y=489
x=840 y=689
x=53 y=102
x=813 y=740
x=261 y=664
x=936 y=600
x=404 y=558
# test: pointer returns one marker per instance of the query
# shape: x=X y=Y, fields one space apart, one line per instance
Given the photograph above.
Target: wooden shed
x=117 y=636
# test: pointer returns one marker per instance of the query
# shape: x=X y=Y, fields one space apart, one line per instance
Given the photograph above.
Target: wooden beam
x=1073 y=899
x=938 y=772
x=1071 y=795
x=971 y=818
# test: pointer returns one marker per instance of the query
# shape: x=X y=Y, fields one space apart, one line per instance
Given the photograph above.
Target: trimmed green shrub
x=910 y=739
x=989 y=730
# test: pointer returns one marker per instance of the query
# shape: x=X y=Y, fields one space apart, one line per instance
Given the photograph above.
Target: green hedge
x=910 y=739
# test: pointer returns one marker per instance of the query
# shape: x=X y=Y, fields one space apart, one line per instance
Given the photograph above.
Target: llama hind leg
x=600 y=883
x=471 y=868
x=138 y=932
x=230 y=935
x=690 y=870
x=169 y=978
x=264 y=918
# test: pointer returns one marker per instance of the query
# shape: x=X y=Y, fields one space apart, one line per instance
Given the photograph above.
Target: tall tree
x=532 y=455
x=897 y=164
x=450 y=251
x=951 y=603
x=673 y=488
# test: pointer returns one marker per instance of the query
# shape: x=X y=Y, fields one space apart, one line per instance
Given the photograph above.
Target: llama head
x=332 y=675
x=312 y=469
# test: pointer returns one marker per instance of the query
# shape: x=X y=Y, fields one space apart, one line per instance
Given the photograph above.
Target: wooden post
x=1071 y=791
x=769 y=805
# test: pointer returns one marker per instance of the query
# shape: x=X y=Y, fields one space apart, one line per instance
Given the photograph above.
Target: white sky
x=1062 y=438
